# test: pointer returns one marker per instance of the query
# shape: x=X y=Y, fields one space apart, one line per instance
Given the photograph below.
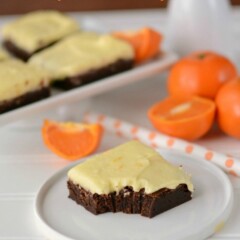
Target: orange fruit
x=228 y=108
x=201 y=74
x=145 y=41
x=188 y=118
x=71 y=140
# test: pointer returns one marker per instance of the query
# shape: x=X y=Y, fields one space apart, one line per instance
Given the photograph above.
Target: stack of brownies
x=47 y=48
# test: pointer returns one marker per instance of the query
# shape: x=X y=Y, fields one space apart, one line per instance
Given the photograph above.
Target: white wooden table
x=25 y=163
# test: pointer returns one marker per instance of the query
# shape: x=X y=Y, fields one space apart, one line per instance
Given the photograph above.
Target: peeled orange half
x=187 y=118
x=70 y=140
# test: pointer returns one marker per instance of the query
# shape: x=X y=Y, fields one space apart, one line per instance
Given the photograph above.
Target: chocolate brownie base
x=128 y=201
x=22 y=100
x=20 y=53
x=94 y=75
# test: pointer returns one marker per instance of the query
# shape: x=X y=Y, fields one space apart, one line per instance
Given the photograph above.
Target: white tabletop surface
x=25 y=163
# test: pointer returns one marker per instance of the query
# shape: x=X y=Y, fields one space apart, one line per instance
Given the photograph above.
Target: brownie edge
x=93 y=75
x=21 y=53
x=128 y=201
x=24 y=99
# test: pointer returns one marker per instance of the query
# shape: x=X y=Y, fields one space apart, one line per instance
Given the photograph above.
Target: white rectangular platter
x=138 y=73
x=59 y=98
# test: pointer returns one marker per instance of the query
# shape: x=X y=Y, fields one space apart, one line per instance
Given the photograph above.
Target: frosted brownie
x=21 y=84
x=35 y=31
x=83 y=58
x=131 y=178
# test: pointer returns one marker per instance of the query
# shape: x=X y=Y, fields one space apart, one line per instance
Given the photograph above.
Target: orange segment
x=149 y=45
x=71 y=140
x=145 y=42
x=187 y=118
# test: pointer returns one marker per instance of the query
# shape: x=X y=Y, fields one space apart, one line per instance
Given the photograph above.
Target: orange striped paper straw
x=157 y=140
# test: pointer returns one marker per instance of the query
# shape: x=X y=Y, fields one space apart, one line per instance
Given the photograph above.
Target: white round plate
x=61 y=218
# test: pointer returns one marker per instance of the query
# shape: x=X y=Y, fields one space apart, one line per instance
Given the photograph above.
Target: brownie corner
x=129 y=201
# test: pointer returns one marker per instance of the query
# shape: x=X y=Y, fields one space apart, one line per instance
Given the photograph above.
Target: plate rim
x=209 y=227
x=225 y=214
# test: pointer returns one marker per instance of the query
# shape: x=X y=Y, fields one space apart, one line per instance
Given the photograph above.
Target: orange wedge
x=188 y=118
x=70 y=140
x=146 y=42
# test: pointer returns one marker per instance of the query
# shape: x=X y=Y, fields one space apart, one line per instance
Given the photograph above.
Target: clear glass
x=200 y=25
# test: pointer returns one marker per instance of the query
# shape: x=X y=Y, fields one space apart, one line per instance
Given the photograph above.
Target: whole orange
x=228 y=108
x=201 y=74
